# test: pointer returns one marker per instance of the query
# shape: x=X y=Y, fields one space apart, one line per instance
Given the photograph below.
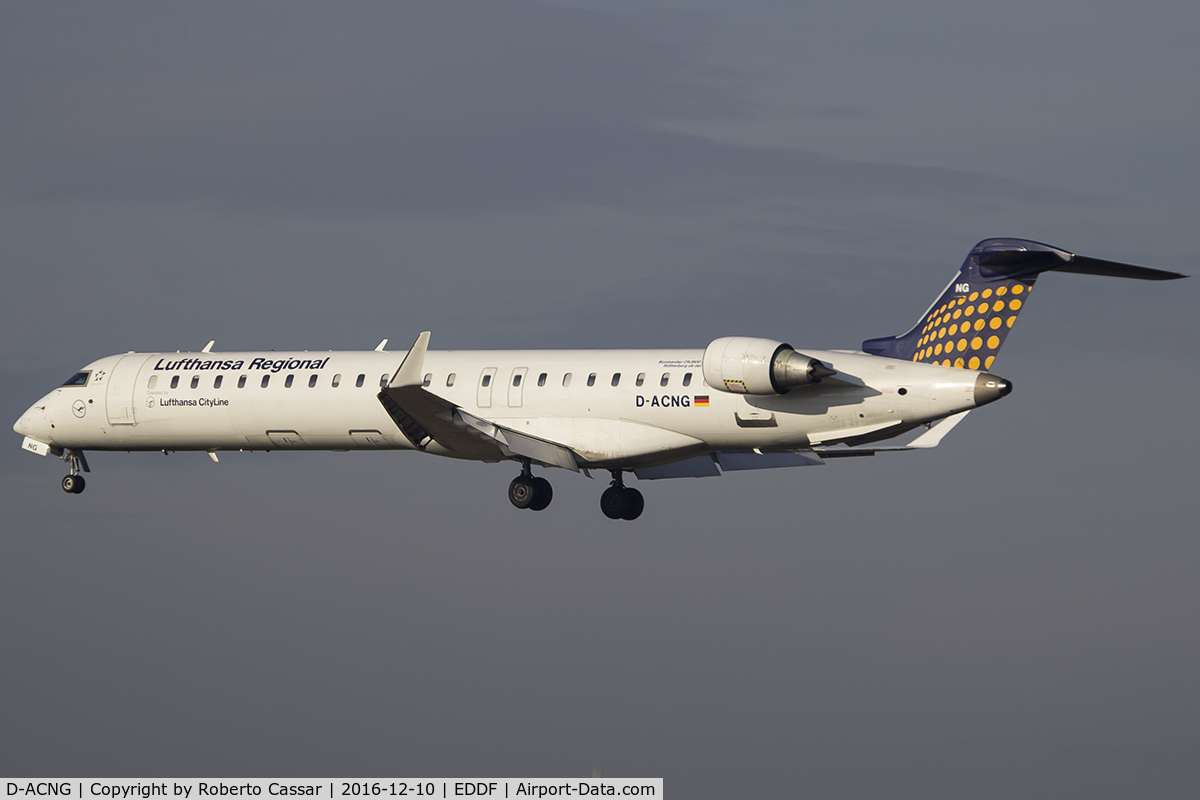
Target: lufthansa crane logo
x=79 y=408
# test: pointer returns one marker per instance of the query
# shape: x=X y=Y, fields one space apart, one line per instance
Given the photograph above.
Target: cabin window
x=266 y=379
x=450 y=379
x=195 y=381
x=241 y=381
x=153 y=382
x=687 y=379
x=641 y=378
x=665 y=379
x=592 y=379
x=428 y=379
x=616 y=378
x=174 y=381
x=337 y=380
x=312 y=382
x=358 y=383
x=487 y=380
x=542 y=379
x=217 y=381
x=383 y=380
x=517 y=379
x=78 y=379
x=567 y=379
x=287 y=382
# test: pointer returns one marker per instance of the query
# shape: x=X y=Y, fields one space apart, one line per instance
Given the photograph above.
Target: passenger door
x=118 y=398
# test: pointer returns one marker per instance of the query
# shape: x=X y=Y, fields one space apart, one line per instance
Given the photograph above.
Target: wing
x=426 y=419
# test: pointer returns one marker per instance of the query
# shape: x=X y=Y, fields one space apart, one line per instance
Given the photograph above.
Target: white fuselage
x=616 y=406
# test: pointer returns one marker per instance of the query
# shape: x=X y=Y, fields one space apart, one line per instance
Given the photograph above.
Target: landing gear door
x=118 y=398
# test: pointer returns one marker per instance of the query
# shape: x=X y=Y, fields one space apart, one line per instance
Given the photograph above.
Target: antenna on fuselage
x=208 y=347
x=382 y=345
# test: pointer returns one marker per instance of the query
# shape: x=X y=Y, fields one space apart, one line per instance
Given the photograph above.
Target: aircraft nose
x=34 y=423
x=989 y=388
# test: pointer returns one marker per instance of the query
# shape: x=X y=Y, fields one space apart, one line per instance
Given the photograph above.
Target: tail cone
x=989 y=388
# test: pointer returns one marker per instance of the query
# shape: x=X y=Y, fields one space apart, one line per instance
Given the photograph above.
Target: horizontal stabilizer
x=1115 y=269
x=934 y=436
x=931 y=438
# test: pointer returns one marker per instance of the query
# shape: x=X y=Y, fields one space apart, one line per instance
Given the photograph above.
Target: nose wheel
x=528 y=491
x=620 y=501
x=74 y=483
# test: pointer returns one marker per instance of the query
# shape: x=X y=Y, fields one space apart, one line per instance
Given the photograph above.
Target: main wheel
x=543 y=493
x=73 y=484
x=636 y=504
x=614 y=502
x=521 y=492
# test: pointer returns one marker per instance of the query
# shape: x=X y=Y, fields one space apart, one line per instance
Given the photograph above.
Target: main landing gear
x=526 y=491
x=74 y=483
x=620 y=501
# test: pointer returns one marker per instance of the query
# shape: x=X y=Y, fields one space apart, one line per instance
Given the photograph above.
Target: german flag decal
x=700 y=401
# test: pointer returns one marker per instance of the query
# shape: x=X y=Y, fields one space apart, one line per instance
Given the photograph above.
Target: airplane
x=741 y=403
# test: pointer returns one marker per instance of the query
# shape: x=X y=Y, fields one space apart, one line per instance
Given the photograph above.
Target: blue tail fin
x=968 y=323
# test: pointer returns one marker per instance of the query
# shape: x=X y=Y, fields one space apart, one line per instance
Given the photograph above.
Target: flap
x=705 y=466
x=752 y=459
x=695 y=467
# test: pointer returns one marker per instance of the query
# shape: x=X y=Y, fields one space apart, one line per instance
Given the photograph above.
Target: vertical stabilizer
x=967 y=324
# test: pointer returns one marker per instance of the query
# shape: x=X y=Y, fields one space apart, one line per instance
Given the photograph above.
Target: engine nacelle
x=745 y=365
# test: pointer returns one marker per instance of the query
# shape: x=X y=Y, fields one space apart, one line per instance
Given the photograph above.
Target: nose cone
x=989 y=388
x=33 y=423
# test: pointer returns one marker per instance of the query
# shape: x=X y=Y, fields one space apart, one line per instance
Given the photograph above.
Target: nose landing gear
x=620 y=501
x=527 y=491
x=74 y=483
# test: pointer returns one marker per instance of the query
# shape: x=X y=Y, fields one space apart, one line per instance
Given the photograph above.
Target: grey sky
x=1012 y=615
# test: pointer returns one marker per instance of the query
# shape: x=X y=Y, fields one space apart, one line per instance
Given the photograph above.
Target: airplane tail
x=968 y=323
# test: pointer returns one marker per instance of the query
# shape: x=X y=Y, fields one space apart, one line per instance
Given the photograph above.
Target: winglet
x=411 y=369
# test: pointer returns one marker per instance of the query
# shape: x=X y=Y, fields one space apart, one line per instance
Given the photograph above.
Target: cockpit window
x=78 y=379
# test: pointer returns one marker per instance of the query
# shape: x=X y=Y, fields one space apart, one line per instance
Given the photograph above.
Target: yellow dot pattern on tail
x=977 y=319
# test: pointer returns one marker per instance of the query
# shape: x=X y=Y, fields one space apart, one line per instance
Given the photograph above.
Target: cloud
x=415 y=108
